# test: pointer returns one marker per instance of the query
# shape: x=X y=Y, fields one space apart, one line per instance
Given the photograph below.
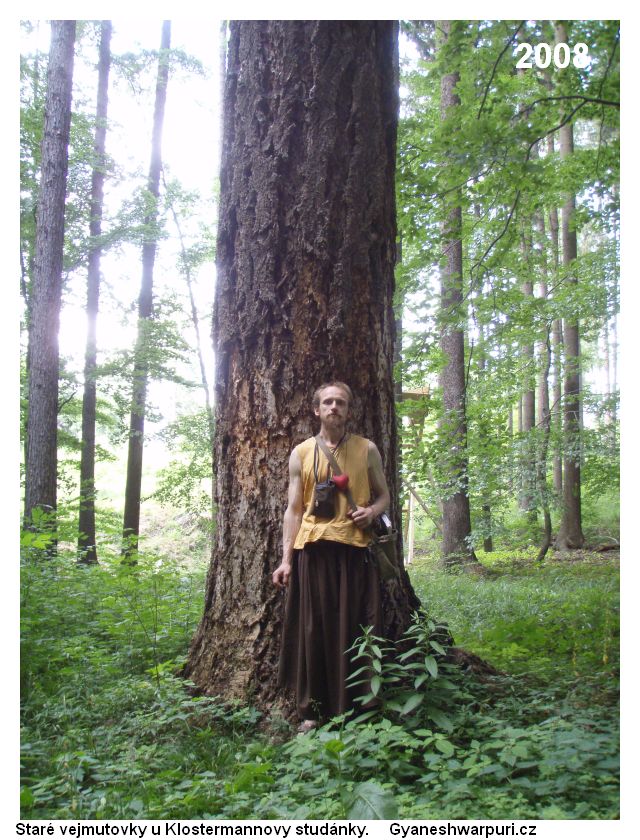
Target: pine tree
x=87 y=518
x=133 y=491
x=45 y=300
x=305 y=268
x=570 y=534
x=456 y=520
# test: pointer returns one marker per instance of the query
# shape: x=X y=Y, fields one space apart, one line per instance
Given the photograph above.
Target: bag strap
x=315 y=464
x=335 y=466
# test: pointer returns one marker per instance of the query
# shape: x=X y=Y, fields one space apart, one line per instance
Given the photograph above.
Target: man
x=333 y=585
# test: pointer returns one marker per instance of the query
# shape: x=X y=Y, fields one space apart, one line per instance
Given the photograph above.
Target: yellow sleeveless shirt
x=352 y=457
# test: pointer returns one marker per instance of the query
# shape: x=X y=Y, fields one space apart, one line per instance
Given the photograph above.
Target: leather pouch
x=324 y=500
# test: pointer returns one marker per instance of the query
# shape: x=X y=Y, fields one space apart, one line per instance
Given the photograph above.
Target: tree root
x=471 y=663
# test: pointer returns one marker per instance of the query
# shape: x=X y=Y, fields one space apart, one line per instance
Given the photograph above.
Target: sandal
x=307 y=726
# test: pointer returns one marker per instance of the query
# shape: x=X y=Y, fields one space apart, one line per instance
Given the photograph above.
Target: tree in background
x=43 y=365
x=87 y=517
x=456 y=517
x=305 y=256
x=504 y=175
x=570 y=534
x=131 y=522
x=503 y=168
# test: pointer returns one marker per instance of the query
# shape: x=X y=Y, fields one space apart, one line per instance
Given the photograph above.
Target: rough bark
x=456 y=523
x=131 y=523
x=87 y=518
x=570 y=533
x=305 y=261
x=41 y=447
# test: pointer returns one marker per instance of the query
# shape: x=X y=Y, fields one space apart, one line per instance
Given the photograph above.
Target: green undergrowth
x=108 y=731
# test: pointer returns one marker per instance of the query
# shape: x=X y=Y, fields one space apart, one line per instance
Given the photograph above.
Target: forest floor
x=109 y=733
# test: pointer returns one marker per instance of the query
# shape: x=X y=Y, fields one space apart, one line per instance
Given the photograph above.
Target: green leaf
x=445 y=747
x=431 y=665
x=438 y=647
x=370 y=801
x=334 y=746
x=27 y=799
x=412 y=703
x=376 y=684
x=439 y=718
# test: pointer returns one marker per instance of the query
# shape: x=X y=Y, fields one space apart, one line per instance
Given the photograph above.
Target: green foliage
x=108 y=729
x=528 y=618
x=109 y=733
x=187 y=482
x=492 y=158
x=407 y=680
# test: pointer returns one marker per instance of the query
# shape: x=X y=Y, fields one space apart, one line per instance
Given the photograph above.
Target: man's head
x=317 y=396
x=331 y=402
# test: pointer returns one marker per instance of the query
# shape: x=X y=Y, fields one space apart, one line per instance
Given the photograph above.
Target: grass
x=527 y=617
x=109 y=733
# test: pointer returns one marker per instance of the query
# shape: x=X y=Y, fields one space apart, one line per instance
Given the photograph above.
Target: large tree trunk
x=131 y=523
x=570 y=533
x=42 y=437
x=87 y=519
x=305 y=262
x=456 y=522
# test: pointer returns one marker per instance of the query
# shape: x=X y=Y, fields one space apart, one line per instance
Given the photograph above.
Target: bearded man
x=333 y=583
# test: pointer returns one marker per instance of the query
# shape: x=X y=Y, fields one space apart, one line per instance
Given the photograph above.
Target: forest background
x=517 y=292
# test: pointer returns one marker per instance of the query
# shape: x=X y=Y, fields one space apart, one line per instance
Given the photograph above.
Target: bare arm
x=363 y=517
x=291 y=522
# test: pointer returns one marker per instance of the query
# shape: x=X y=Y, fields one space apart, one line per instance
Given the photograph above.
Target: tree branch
x=68 y=399
x=594 y=99
x=495 y=68
x=610 y=62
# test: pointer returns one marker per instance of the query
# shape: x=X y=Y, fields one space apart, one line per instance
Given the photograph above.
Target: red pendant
x=341 y=481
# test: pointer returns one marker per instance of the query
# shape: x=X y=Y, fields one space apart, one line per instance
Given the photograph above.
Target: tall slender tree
x=305 y=276
x=527 y=352
x=557 y=343
x=41 y=448
x=456 y=522
x=544 y=409
x=527 y=356
x=570 y=533
x=87 y=551
x=133 y=491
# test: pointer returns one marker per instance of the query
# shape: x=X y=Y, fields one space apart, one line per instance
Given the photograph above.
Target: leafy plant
x=408 y=679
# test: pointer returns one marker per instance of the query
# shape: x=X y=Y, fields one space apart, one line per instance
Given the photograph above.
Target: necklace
x=335 y=448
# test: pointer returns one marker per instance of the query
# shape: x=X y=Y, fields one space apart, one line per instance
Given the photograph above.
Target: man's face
x=334 y=406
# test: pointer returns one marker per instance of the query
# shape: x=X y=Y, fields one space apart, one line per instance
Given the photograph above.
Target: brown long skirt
x=334 y=590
